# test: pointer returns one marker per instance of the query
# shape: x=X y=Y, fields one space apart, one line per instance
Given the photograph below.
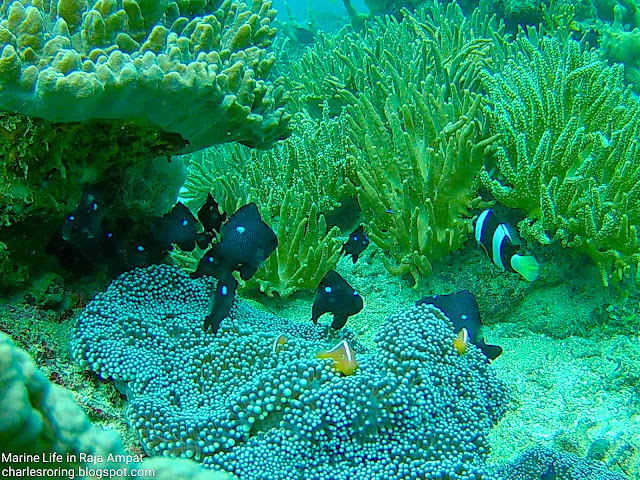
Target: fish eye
x=185 y=223
x=328 y=289
x=240 y=229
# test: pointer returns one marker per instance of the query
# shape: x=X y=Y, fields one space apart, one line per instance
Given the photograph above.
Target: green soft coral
x=293 y=185
x=416 y=139
x=568 y=151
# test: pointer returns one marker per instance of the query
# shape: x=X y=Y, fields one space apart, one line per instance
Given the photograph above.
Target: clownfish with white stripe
x=500 y=244
x=344 y=360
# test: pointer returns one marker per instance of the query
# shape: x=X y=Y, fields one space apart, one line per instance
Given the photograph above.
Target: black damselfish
x=221 y=301
x=499 y=243
x=356 y=244
x=82 y=228
x=334 y=295
x=210 y=216
x=462 y=309
x=246 y=241
x=178 y=227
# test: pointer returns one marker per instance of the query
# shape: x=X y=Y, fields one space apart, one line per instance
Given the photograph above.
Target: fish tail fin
x=491 y=351
x=527 y=266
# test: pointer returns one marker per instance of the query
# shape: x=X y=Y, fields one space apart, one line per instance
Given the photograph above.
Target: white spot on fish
x=328 y=289
x=224 y=290
x=185 y=223
x=140 y=248
x=240 y=229
x=463 y=316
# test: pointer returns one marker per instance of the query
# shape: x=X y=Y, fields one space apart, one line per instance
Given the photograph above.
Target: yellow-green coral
x=416 y=141
x=568 y=151
x=199 y=69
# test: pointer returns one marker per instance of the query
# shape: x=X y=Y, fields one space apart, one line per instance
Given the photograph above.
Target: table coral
x=199 y=69
x=414 y=408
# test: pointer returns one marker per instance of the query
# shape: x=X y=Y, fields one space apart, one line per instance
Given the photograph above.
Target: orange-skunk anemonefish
x=500 y=244
x=343 y=357
x=278 y=343
x=462 y=341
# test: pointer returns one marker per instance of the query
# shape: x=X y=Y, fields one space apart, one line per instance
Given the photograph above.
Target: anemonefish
x=462 y=309
x=498 y=242
x=343 y=357
x=278 y=343
x=462 y=341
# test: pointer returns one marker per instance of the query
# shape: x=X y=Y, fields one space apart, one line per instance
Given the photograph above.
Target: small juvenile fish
x=499 y=243
x=278 y=343
x=356 y=244
x=344 y=360
x=82 y=228
x=462 y=341
x=335 y=295
x=462 y=309
x=178 y=227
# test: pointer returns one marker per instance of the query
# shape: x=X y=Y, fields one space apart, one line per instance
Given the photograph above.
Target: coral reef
x=621 y=42
x=416 y=140
x=93 y=91
x=45 y=168
x=294 y=185
x=414 y=408
x=38 y=418
x=198 y=69
x=568 y=151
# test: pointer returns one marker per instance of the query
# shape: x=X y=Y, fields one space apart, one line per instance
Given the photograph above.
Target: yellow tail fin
x=527 y=266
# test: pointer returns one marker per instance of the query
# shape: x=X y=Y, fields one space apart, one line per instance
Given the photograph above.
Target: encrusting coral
x=568 y=153
x=198 y=69
x=414 y=408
